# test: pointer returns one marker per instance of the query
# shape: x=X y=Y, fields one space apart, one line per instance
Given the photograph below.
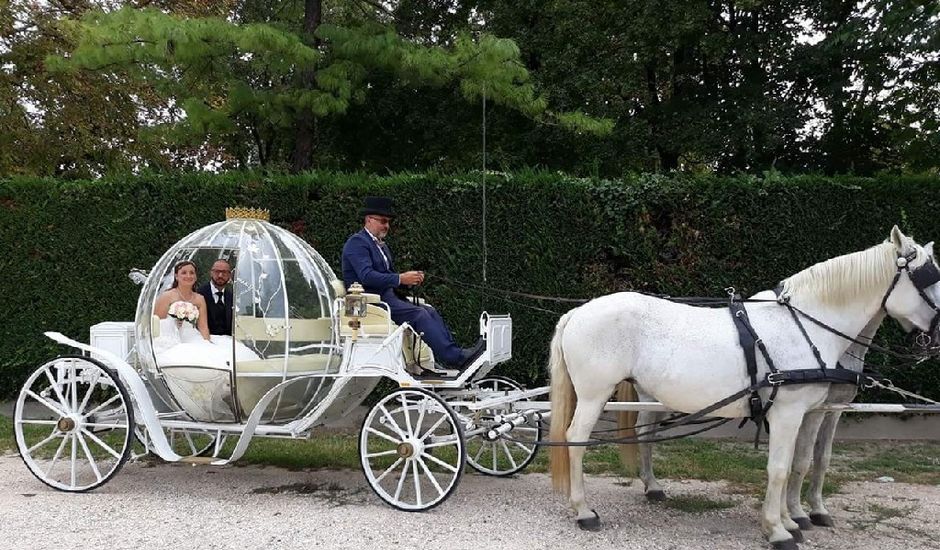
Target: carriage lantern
x=355 y=304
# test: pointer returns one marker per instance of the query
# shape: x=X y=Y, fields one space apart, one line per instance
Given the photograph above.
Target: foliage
x=730 y=86
x=246 y=86
x=547 y=234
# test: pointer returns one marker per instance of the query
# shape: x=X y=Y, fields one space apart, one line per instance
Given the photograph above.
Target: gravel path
x=152 y=505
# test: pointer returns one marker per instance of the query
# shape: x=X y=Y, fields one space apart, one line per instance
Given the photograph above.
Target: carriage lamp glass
x=355 y=302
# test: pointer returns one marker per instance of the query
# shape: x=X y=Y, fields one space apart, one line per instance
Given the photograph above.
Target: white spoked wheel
x=74 y=424
x=510 y=453
x=412 y=450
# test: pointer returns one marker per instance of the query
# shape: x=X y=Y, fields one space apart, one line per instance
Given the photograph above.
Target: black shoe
x=472 y=353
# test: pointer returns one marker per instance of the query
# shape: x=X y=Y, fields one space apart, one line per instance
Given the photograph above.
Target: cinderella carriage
x=303 y=353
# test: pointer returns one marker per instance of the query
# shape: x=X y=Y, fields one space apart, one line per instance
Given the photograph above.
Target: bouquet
x=184 y=311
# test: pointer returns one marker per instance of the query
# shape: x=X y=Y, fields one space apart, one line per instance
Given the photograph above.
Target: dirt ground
x=183 y=506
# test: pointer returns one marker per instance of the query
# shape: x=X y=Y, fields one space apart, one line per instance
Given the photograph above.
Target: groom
x=218 y=295
x=368 y=261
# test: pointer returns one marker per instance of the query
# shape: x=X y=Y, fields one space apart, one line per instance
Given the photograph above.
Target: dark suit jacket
x=218 y=324
x=363 y=262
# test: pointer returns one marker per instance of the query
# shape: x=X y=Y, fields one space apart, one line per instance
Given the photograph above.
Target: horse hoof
x=822 y=520
x=796 y=534
x=788 y=544
x=804 y=523
x=590 y=524
x=656 y=496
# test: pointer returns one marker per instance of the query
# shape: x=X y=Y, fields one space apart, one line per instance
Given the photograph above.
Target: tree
x=77 y=124
x=258 y=89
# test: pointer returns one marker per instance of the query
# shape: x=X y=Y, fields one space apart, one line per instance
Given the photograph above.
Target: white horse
x=689 y=358
x=813 y=444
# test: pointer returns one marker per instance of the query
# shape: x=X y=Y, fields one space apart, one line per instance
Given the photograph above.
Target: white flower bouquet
x=184 y=311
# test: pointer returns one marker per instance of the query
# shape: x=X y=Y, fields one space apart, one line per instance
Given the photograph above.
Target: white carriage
x=295 y=361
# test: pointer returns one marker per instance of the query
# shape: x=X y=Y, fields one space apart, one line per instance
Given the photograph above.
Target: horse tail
x=563 y=401
x=626 y=422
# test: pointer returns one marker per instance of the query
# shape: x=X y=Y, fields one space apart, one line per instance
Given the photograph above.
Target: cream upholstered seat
x=253 y=379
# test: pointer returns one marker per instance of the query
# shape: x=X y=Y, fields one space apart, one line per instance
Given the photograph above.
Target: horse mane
x=843 y=278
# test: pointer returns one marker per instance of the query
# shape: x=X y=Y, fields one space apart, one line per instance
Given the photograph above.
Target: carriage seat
x=378 y=322
x=253 y=379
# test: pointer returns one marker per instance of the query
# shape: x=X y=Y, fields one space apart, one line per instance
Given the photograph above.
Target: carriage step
x=437 y=374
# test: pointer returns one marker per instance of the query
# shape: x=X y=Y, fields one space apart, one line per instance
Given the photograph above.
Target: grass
x=7 y=440
x=734 y=462
x=694 y=504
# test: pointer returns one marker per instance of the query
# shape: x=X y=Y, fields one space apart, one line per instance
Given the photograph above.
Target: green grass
x=7 y=440
x=695 y=504
x=735 y=462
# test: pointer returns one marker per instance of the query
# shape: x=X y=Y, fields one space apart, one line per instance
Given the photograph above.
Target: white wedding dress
x=198 y=371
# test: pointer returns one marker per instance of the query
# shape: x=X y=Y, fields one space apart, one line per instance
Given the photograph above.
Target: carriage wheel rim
x=416 y=450
x=67 y=399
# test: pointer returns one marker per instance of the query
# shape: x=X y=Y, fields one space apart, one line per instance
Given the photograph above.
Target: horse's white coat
x=689 y=358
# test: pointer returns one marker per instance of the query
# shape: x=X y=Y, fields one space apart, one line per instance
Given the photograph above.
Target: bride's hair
x=176 y=270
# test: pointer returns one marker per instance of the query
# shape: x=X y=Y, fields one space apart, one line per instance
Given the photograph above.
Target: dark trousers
x=428 y=322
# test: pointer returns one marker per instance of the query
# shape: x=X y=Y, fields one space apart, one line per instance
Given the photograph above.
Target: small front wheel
x=412 y=449
x=74 y=424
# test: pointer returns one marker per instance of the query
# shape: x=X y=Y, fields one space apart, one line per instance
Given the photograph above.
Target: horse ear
x=928 y=248
x=898 y=239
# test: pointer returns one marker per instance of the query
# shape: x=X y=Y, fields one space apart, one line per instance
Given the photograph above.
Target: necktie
x=220 y=298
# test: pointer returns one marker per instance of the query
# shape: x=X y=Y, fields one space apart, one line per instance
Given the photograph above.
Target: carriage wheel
x=412 y=450
x=74 y=424
x=510 y=453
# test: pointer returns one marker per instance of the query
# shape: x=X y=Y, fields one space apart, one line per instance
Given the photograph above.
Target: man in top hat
x=368 y=260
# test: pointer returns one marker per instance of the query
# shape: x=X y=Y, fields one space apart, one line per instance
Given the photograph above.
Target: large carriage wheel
x=510 y=453
x=412 y=450
x=74 y=424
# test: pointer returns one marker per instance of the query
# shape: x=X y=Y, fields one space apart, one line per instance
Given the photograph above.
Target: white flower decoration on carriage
x=184 y=311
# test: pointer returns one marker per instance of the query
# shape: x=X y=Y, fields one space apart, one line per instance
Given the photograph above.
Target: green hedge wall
x=67 y=246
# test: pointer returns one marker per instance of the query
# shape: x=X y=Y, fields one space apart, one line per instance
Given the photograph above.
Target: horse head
x=913 y=298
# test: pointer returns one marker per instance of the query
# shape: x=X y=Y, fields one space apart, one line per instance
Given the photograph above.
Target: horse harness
x=922 y=278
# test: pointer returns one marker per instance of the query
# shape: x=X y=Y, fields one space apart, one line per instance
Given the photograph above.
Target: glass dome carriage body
x=283 y=328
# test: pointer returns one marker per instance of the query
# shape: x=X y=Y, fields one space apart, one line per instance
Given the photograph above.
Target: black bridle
x=922 y=278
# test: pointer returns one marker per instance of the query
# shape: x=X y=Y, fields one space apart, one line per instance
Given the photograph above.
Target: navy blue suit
x=363 y=262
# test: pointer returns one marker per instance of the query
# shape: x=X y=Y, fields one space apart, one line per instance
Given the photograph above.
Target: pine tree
x=258 y=89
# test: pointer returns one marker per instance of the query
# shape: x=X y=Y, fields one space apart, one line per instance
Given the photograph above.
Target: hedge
x=69 y=245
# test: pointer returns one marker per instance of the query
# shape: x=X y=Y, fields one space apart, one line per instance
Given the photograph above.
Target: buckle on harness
x=776 y=378
x=756 y=407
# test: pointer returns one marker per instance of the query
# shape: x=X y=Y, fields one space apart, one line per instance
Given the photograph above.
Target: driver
x=368 y=260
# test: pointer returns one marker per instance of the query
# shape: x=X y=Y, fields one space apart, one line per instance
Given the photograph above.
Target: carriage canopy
x=282 y=323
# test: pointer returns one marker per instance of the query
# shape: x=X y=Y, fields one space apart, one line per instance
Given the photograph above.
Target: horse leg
x=585 y=417
x=784 y=427
x=822 y=453
x=654 y=491
x=802 y=457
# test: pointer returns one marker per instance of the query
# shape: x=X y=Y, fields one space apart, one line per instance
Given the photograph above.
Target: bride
x=174 y=332
x=197 y=366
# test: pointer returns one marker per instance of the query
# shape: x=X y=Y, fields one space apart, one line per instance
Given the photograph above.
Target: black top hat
x=377 y=206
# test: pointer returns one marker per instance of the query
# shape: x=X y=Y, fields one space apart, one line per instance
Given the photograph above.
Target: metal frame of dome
x=270 y=266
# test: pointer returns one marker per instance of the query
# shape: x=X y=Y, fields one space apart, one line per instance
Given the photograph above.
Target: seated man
x=368 y=261
x=218 y=295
